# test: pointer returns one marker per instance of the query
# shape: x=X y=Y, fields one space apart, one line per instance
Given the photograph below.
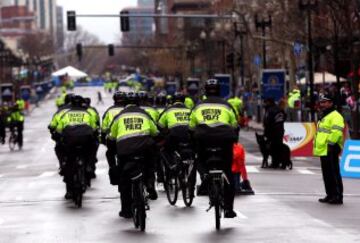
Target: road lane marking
x=2 y=221
x=240 y=215
x=21 y=167
x=252 y=169
x=101 y=171
x=1 y=176
x=305 y=172
x=18 y=198
x=47 y=174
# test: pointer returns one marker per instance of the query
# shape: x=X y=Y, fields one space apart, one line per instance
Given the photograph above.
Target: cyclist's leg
x=149 y=172
x=202 y=168
x=60 y=154
x=20 y=128
x=229 y=188
x=124 y=189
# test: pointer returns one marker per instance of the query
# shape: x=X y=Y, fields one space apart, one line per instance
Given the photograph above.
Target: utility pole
x=263 y=24
x=309 y=6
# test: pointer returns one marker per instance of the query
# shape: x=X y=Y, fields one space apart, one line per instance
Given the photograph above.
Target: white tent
x=320 y=78
x=71 y=72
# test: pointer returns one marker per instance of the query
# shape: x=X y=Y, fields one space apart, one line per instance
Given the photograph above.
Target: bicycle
x=180 y=175
x=139 y=204
x=13 y=139
x=79 y=181
x=217 y=180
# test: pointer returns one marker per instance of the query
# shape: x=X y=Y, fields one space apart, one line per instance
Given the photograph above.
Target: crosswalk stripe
x=47 y=174
x=305 y=172
x=21 y=167
x=252 y=169
x=101 y=171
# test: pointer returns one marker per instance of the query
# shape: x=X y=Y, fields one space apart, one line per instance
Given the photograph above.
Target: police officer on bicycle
x=55 y=135
x=214 y=125
x=132 y=134
x=16 y=120
x=174 y=125
x=78 y=135
x=107 y=119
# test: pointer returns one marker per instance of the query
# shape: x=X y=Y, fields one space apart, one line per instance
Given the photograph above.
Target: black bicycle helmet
x=132 y=98
x=77 y=101
x=179 y=97
x=212 y=87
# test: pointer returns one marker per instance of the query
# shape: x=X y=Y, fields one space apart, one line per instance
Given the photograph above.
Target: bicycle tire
x=142 y=217
x=12 y=143
x=171 y=188
x=138 y=207
x=188 y=196
x=217 y=216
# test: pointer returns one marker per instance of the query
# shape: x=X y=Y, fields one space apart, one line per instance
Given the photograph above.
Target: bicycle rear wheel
x=171 y=187
x=187 y=188
x=12 y=143
x=217 y=216
x=79 y=186
x=138 y=208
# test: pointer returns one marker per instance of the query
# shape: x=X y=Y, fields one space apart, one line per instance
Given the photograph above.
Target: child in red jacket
x=239 y=168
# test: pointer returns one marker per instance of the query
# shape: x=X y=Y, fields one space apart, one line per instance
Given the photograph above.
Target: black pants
x=71 y=151
x=125 y=182
x=60 y=153
x=20 y=128
x=276 y=144
x=2 y=130
x=331 y=174
x=227 y=157
x=111 y=156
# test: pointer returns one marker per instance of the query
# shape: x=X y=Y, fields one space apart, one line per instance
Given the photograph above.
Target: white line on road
x=101 y=171
x=21 y=167
x=47 y=174
x=252 y=169
x=305 y=172
x=1 y=221
x=18 y=198
x=240 y=215
x=1 y=176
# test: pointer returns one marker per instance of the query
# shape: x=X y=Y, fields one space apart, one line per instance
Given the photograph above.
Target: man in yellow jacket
x=328 y=144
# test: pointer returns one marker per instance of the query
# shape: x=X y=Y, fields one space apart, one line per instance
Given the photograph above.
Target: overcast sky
x=108 y=30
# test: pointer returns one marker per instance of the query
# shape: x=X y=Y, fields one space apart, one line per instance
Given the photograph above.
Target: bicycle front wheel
x=217 y=216
x=171 y=188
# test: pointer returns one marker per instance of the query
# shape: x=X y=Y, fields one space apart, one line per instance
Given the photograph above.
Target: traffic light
x=71 y=20
x=79 y=51
x=230 y=60
x=124 y=21
x=111 y=50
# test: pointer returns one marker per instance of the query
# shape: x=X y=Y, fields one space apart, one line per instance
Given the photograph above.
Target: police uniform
x=214 y=124
x=107 y=119
x=16 y=119
x=153 y=113
x=132 y=133
x=328 y=143
x=78 y=129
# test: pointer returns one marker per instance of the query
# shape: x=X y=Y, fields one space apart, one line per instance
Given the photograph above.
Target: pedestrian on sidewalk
x=328 y=144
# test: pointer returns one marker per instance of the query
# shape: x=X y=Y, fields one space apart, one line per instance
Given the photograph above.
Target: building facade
x=141 y=28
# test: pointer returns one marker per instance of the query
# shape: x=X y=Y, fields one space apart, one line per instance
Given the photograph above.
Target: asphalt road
x=284 y=209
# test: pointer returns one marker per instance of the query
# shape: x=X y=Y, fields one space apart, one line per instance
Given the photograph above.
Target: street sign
x=350 y=159
x=298 y=48
x=273 y=84
x=257 y=60
x=225 y=82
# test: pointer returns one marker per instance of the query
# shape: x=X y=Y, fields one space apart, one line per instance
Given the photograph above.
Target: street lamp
x=263 y=24
x=309 y=6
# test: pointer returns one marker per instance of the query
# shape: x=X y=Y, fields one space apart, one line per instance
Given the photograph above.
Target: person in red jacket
x=239 y=168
